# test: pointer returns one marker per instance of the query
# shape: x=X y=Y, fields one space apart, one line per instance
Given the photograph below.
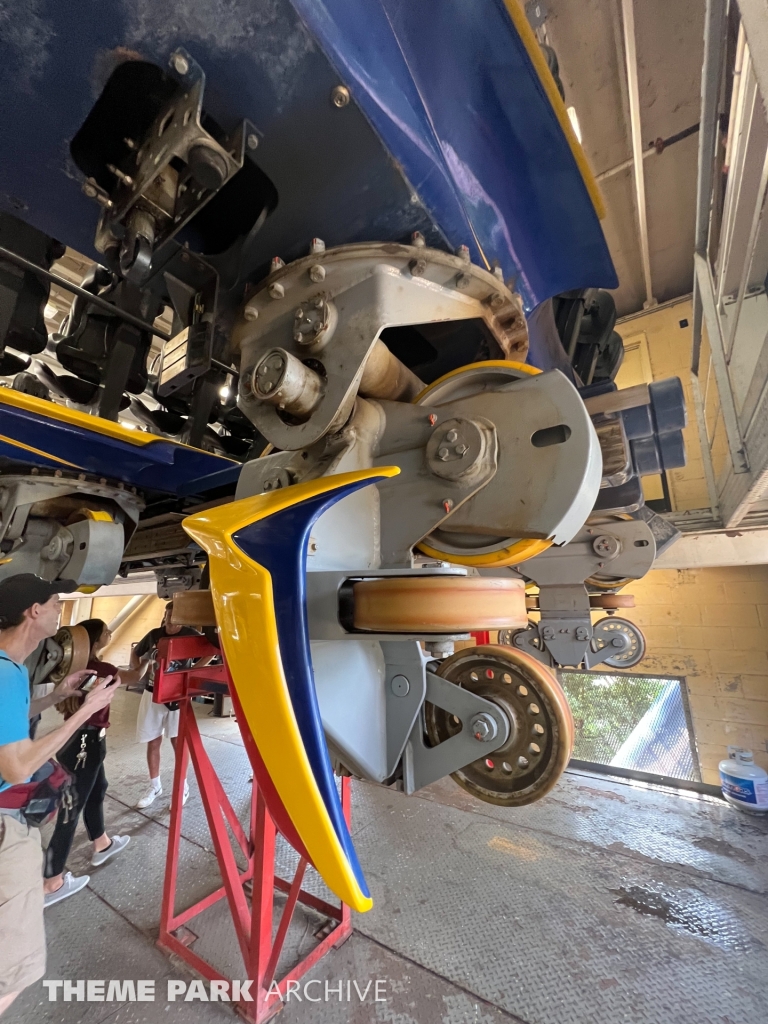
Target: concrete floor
x=604 y=903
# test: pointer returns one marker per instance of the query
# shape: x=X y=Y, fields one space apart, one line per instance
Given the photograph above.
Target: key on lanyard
x=82 y=753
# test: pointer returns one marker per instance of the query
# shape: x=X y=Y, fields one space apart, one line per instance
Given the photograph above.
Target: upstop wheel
x=540 y=739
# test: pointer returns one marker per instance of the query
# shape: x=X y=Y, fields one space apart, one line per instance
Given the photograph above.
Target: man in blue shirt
x=29 y=612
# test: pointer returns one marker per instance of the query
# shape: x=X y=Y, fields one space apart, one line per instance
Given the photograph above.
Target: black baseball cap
x=17 y=593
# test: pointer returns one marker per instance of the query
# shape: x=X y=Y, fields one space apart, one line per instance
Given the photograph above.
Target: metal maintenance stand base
x=250 y=892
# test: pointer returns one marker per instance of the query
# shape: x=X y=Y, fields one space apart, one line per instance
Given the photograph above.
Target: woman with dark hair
x=84 y=756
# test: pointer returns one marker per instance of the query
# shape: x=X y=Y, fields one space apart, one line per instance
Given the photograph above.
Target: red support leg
x=253 y=925
x=174 y=833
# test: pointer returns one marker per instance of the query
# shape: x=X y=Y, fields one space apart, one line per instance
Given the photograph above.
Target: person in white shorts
x=154 y=720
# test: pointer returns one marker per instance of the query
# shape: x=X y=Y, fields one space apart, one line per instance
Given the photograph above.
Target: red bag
x=40 y=798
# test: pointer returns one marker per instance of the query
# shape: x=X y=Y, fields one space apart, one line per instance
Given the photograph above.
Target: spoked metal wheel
x=76 y=650
x=507 y=636
x=621 y=636
x=540 y=738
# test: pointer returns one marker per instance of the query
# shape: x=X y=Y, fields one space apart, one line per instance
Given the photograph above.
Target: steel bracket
x=422 y=764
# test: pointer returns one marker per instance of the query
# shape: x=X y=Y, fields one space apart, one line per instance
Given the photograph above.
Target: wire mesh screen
x=641 y=723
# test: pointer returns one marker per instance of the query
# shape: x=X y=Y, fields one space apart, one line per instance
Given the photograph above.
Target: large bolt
x=443 y=454
x=400 y=686
x=315 y=246
x=317 y=273
x=120 y=175
x=484 y=727
x=452 y=436
x=606 y=546
x=276 y=290
x=179 y=63
x=418 y=240
x=251 y=313
x=309 y=325
x=340 y=96
x=463 y=253
x=283 y=380
x=418 y=267
x=276 y=264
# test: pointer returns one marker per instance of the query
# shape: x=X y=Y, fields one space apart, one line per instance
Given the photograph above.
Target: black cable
x=94 y=300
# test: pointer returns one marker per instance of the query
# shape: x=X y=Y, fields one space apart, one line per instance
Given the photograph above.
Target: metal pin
x=120 y=175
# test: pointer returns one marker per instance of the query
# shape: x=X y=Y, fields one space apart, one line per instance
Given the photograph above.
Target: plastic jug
x=745 y=785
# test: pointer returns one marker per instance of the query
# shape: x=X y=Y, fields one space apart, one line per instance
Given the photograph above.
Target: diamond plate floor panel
x=89 y=939
x=700 y=832
x=604 y=903
x=531 y=922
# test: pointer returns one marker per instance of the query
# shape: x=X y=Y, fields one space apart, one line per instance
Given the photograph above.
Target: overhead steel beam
x=628 y=14
x=754 y=17
x=706 y=550
x=714 y=333
x=706 y=455
x=711 y=75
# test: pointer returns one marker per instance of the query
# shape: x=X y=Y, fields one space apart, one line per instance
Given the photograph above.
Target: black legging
x=90 y=787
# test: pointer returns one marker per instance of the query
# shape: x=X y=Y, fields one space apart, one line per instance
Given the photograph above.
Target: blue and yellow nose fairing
x=257 y=550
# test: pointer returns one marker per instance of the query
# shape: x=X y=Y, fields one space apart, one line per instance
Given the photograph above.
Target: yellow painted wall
x=711 y=626
x=669 y=352
x=147 y=616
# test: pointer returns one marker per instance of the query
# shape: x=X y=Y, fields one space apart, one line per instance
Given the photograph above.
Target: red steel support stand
x=482 y=636
x=252 y=919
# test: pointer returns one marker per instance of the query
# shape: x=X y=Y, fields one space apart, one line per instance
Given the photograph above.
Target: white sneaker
x=118 y=843
x=151 y=795
x=70 y=886
x=186 y=793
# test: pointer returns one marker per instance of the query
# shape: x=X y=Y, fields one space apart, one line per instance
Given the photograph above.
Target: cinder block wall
x=147 y=616
x=711 y=626
x=669 y=352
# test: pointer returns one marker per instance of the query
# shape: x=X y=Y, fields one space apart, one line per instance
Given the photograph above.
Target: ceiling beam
x=630 y=51
x=707 y=550
x=754 y=16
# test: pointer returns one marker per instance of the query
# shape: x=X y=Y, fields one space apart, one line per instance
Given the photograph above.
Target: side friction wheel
x=541 y=734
